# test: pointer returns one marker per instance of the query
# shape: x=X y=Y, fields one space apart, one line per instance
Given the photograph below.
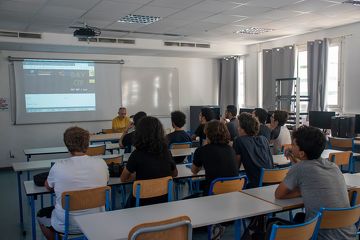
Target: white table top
x=105 y=137
x=352 y=180
x=45 y=164
x=182 y=152
x=267 y=193
x=202 y=211
x=53 y=150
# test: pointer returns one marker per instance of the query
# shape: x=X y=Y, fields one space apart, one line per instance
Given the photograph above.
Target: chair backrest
x=116 y=160
x=177 y=228
x=107 y=130
x=307 y=230
x=152 y=188
x=340 y=158
x=180 y=145
x=341 y=143
x=227 y=184
x=354 y=196
x=272 y=176
x=94 y=151
x=339 y=217
x=85 y=199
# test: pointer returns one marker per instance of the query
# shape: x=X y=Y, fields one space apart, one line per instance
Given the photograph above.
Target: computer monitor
x=357 y=123
x=248 y=110
x=320 y=119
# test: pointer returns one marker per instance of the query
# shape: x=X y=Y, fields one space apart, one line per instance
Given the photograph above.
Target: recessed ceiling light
x=253 y=30
x=353 y=2
x=139 y=19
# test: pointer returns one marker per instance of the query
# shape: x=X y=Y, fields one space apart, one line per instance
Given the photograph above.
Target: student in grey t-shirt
x=318 y=181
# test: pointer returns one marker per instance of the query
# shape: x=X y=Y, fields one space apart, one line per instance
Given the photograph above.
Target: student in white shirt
x=280 y=135
x=75 y=173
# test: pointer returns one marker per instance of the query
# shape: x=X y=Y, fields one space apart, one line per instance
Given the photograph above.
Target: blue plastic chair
x=272 y=176
x=81 y=200
x=307 y=230
x=152 y=188
x=226 y=185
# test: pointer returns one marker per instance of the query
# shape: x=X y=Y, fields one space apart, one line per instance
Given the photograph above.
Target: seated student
x=233 y=125
x=205 y=116
x=179 y=135
x=317 y=180
x=217 y=157
x=126 y=140
x=121 y=122
x=280 y=134
x=75 y=173
x=261 y=114
x=251 y=150
x=151 y=158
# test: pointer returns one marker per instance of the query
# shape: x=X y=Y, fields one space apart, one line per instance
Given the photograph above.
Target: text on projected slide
x=59 y=86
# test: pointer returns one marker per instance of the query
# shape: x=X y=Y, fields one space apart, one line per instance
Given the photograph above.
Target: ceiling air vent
x=126 y=41
x=202 y=45
x=30 y=35
x=87 y=39
x=187 y=44
x=107 y=40
x=353 y=2
x=8 y=34
x=175 y=44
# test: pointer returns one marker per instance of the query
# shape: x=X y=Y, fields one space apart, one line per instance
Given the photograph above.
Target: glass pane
x=332 y=76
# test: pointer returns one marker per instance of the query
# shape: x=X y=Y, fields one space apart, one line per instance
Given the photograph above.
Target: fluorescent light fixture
x=253 y=30
x=139 y=19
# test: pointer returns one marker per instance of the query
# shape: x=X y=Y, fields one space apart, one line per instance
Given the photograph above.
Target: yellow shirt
x=119 y=125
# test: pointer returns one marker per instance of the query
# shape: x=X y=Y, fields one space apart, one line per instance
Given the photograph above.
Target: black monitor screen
x=357 y=123
x=320 y=119
x=248 y=110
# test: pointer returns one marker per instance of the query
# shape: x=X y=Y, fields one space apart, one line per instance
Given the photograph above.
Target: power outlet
x=11 y=155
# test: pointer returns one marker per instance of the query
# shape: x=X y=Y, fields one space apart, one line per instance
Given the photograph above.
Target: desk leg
x=33 y=222
x=28 y=172
x=238 y=229
x=20 y=200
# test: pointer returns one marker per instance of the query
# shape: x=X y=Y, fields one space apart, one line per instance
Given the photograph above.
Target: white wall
x=198 y=85
x=350 y=57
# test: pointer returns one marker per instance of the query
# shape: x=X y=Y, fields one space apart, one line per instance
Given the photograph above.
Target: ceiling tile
x=125 y=26
x=214 y=6
x=155 y=11
x=78 y=4
x=309 y=6
x=108 y=10
x=64 y=12
x=190 y=15
x=247 y=11
x=271 y=3
x=225 y=19
x=28 y=8
x=174 y=4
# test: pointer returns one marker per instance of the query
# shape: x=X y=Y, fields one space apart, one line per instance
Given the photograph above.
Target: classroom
x=67 y=63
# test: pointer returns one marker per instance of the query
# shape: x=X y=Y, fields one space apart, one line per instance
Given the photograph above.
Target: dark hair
x=261 y=114
x=178 y=118
x=231 y=109
x=208 y=114
x=217 y=132
x=76 y=139
x=137 y=117
x=249 y=123
x=149 y=136
x=310 y=140
x=281 y=117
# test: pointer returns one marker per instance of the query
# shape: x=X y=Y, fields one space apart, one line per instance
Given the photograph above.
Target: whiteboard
x=152 y=90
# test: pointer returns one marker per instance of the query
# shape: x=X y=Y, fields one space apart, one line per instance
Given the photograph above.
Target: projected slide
x=59 y=86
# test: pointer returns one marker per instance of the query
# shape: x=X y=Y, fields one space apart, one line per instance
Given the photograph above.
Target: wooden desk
x=202 y=212
x=182 y=152
x=267 y=194
x=105 y=137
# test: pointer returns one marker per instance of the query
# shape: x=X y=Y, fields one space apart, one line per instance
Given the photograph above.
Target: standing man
x=121 y=122
x=233 y=124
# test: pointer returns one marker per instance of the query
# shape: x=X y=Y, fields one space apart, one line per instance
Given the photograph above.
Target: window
x=333 y=85
x=241 y=83
x=302 y=74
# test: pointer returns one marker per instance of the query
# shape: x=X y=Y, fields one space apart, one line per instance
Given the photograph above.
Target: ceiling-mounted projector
x=87 y=32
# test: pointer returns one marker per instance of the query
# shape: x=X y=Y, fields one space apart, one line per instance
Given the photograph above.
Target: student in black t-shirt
x=217 y=157
x=178 y=120
x=126 y=140
x=151 y=159
x=206 y=115
x=261 y=114
x=251 y=150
